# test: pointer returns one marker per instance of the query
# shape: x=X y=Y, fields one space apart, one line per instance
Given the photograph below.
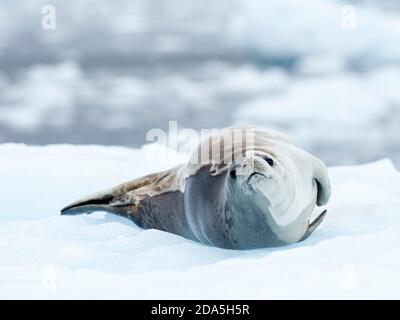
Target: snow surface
x=353 y=254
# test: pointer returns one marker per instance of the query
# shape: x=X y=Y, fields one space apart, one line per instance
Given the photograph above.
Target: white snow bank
x=290 y=28
x=354 y=253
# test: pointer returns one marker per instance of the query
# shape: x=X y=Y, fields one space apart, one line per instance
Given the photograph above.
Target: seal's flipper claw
x=97 y=202
x=314 y=225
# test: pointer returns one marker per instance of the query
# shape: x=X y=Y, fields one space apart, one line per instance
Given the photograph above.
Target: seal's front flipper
x=314 y=225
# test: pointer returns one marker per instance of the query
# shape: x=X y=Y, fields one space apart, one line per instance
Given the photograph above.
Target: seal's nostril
x=232 y=174
x=269 y=160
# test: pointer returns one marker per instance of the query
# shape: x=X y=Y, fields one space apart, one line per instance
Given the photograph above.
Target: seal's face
x=281 y=184
x=256 y=170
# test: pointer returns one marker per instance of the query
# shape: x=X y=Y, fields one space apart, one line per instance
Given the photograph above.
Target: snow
x=353 y=254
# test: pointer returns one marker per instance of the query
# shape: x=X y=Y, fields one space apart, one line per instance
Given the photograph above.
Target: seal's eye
x=232 y=174
x=269 y=160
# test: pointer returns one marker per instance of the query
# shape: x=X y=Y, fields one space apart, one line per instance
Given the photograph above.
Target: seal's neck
x=246 y=222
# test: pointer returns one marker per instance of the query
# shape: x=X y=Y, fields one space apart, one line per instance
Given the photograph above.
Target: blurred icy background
x=326 y=72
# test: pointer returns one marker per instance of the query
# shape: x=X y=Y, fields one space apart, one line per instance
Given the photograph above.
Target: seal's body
x=257 y=189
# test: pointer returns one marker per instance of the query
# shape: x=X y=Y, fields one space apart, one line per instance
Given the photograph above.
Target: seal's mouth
x=255 y=174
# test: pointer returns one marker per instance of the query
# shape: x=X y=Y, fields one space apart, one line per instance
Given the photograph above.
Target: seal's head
x=271 y=188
